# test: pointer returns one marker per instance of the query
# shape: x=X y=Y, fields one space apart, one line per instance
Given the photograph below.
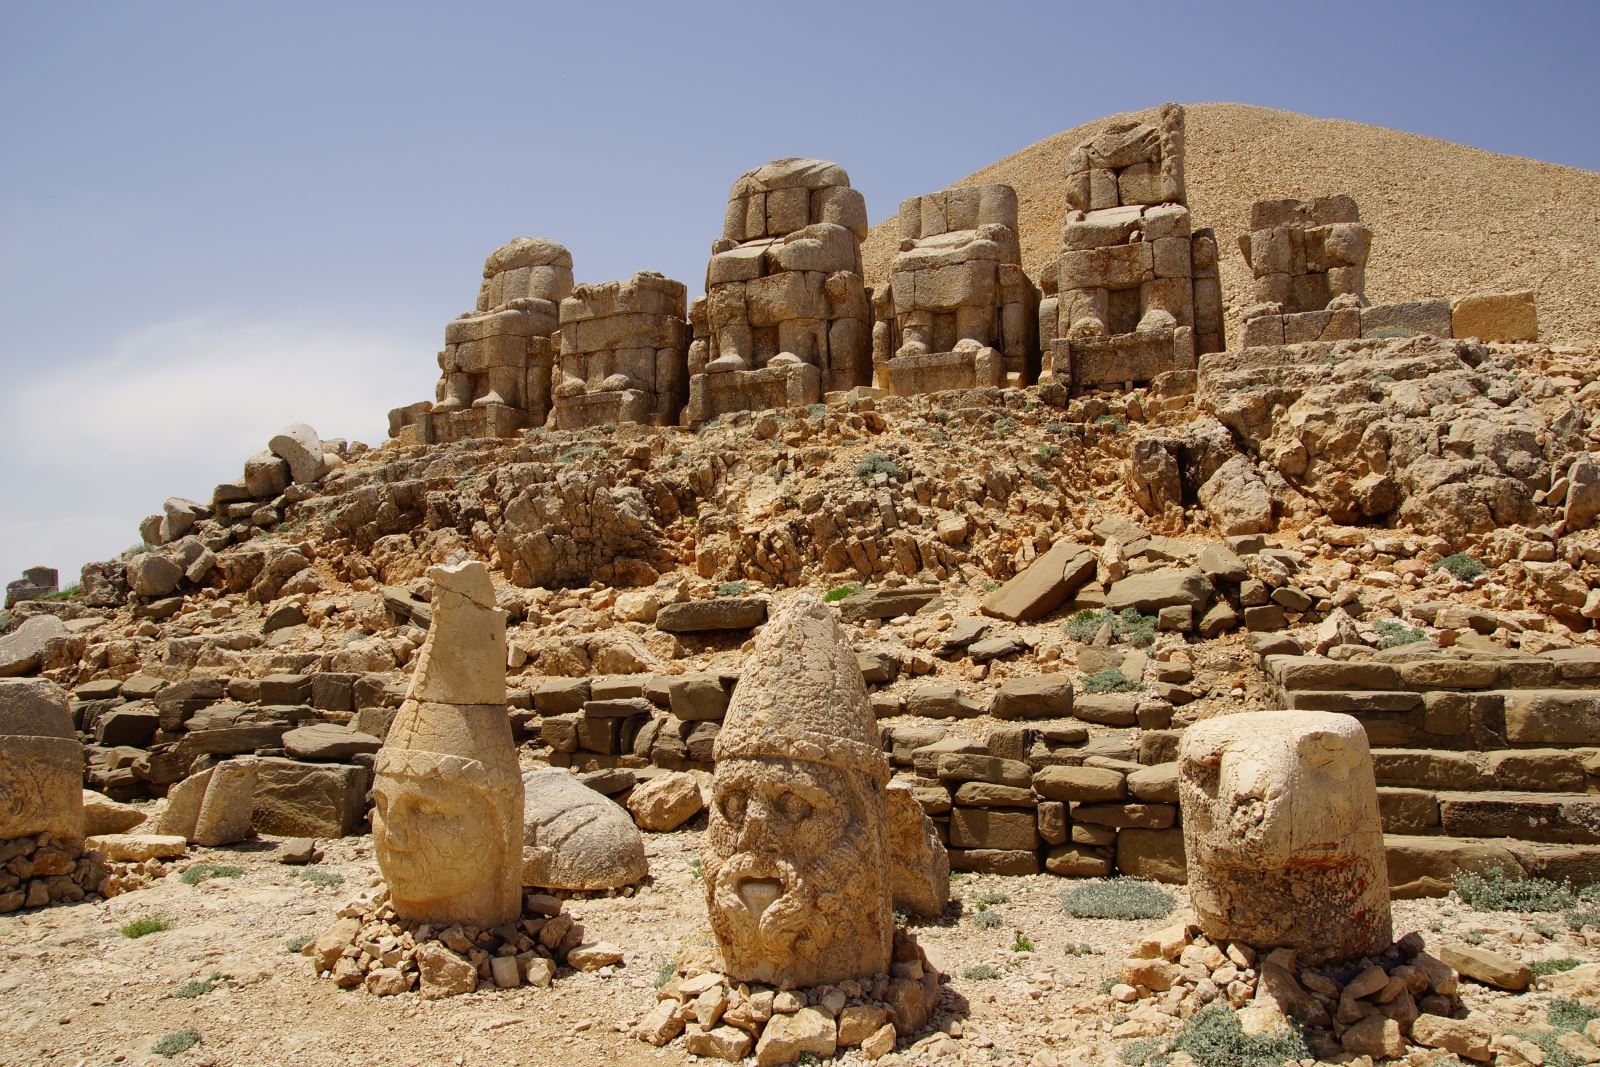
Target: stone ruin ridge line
x=1134 y=294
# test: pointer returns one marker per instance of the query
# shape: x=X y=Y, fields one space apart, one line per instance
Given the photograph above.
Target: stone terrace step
x=1558 y=669
x=1427 y=866
x=1452 y=719
x=1520 y=770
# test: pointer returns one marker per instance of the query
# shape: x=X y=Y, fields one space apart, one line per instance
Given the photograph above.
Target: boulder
x=151 y=574
x=31 y=646
x=299 y=446
x=1044 y=586
x=1034 y=696
x=1583 y=494
x=1150 y=591
x=723 y=613
x=1237 y=498
x=886 y=603
x=576 y=838
x=294 y=799
x=665 y=803
x=328 y=742
x=1488 y=967
x=102 y=815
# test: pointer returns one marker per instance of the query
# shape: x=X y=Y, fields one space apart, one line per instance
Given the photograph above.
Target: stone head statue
x=447 y=816
x=797 y=880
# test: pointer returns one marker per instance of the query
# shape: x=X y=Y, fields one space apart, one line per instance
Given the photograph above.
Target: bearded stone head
x=797 y=881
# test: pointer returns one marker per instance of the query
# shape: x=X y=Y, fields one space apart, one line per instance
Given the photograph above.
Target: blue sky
x=216 y=218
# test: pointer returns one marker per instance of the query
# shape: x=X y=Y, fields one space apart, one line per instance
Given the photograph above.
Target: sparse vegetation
x=733 y=588
x=835 y=595
x=296 y=943
x=877 y=463
x=984 y=919
x=1462 y=566
x=1022 y=944
x=200 y=872
x=170 y=1045
x=665 y=972
x=1004 y=425
x=1114 y=423
x=320 y=878
x=990 y=898
x=816 y=411
x=1568 y=1014
x=1126 y=625
x=981 y=973
x=1047 y=452
x=1110 y=680
x=1541 y=968
x=1117 y=898
x=901 y=918
x=66 y=594
x=150 y=924
x=198 y=987
x=1083 y=948
x=1392 y=633
x=1492 y=890
x=694 y=867
x=1215 y=1038
x=1055 y=427
x=1039 y=480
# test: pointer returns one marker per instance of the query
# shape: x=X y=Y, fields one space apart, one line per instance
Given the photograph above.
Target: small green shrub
x=941 y=416
x=170 y=1045
x=1055 y=427
x=1393 y=633
x=1127 y=625
x=1568 y=1014
x=1107 y=984
x=1040 y=482
x=66 y=594
x=138 y=548
x=665 y=972
x=694 y=868
x=141 y=927
x=294 y=944
x=1541 y=968
x=877 y=463
x=1114 y=423
x=1584 y=915
x=938 y=437
x=1462 y=566
x=835 y=595
x=1004 y=425
x=901 y=917
x=1493 y=891
x=984 y=919
x=1047 y=452
x=1082 y=949
x=198 y=987
x=733 y=588
x=981 y=973
x=200 y=872
x=1022 y=944
x=991 y=898
x=1214 y=1038
x=816 y=411
x=320 y=878
x=1473 y=937
x=1109 y=680
x=1117 y=898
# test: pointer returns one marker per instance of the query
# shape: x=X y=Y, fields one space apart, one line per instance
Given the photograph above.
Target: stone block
x=1495 y=317
x=294 y=799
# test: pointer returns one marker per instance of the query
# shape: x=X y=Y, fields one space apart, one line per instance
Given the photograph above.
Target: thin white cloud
x=174 y=408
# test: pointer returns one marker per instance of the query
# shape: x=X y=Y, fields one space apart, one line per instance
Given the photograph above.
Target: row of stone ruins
x=1134 y=293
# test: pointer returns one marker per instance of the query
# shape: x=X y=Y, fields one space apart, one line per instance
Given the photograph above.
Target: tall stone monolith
x=447 y=818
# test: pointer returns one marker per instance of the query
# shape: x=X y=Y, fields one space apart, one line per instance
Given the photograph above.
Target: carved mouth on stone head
x=758 y=894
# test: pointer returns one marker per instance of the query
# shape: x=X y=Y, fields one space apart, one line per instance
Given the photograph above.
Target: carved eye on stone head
x=732 y=805
x=794 y=807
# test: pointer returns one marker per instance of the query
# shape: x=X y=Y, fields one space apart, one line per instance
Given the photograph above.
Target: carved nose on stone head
x=759 y=893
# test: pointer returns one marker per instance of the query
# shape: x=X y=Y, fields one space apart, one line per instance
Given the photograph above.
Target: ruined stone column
x=447 y=816
x=1281 y=828
x=795 y=862
x=41 y=762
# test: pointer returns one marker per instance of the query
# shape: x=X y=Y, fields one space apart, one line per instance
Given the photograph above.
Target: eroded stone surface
x=1282 y=833
x=447 y=820
x=795 y=865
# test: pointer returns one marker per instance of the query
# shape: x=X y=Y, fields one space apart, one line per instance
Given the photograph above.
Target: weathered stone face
x=795 y=864
x=787 y=842
x=1282 y=832
x=447 y=819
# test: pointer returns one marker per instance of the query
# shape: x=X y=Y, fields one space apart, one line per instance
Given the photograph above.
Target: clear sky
x=217 y=218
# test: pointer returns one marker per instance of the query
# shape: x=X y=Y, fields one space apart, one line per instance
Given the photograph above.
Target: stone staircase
x=1483 y=757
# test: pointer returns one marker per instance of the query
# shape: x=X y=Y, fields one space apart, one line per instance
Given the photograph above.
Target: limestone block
x=1502 y=317
x=575 y=838
x=41 y=762
x=224 y=815
x=294 y=799
x=299 y=446
x=1413 y=319
x=919 y=866
x=1044 y=586
x=665 y=803
x=1283 y=835
x=795 y=858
